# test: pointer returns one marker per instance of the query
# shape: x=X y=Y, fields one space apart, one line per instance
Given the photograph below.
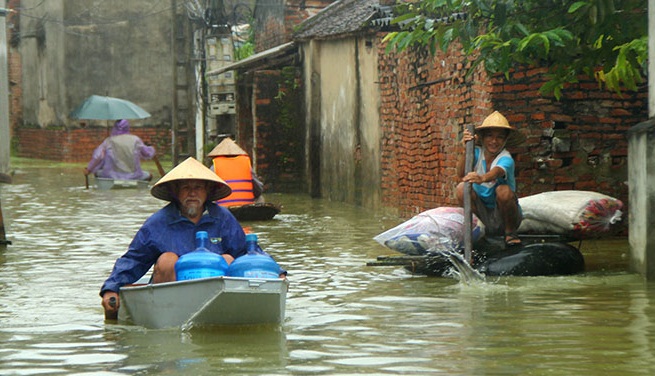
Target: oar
x=86 y=178
x=159 y=167
x=468 y=167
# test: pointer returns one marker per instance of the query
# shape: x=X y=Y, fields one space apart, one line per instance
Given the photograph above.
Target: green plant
x=605 y=39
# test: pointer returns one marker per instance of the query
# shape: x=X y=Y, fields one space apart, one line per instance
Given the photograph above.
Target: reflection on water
x=342 y=316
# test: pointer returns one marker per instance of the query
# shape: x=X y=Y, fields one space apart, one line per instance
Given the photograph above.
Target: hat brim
x=514 y=138
x=190 y=169
x=227 y=147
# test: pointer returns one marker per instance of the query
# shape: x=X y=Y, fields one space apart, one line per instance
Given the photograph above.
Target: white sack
x=579 y=213
x=432 y=230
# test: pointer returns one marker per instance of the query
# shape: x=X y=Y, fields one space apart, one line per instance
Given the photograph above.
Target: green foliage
x=605 y=39
x=243 y=51
x=247 y=48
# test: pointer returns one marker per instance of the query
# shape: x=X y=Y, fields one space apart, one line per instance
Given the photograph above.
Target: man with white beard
x=192 y=189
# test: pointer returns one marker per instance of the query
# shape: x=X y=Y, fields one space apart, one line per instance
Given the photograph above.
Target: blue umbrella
x=98 y=107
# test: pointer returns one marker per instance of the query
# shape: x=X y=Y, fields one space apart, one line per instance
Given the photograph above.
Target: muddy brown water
x=343 y=317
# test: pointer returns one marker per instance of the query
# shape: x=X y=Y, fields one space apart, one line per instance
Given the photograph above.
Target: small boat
x=105 y=184
x=537 y=256
x=255 y=212
x=204 y=302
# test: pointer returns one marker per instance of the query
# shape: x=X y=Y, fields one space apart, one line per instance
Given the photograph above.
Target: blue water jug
x=254 y=264
x=201 y=263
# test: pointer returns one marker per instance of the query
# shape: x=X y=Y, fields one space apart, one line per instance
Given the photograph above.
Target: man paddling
x=493 y=197
x=191 y=188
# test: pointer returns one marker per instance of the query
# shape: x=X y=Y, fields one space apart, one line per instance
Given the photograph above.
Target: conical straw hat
x=190 y=169
x=226 y=147
x=498 y=121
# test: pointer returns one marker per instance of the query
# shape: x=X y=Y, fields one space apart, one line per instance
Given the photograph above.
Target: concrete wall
x=342 y=114
x=642 y=198
x=75 y=48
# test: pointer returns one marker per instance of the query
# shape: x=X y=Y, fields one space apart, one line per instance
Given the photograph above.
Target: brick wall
x=277 y=19
x=425 y=102
x=577 y=143
x=280 y=141
x=77 y=145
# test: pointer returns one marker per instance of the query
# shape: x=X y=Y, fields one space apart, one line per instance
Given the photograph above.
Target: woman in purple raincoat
x=119 y=156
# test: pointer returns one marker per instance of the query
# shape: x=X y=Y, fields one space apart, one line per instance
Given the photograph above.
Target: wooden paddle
x=468 y=167
x=159 y=167
x=86 y=178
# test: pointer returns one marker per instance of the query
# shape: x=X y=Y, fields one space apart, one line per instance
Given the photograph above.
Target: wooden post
x=468 y=217
x=3 y=237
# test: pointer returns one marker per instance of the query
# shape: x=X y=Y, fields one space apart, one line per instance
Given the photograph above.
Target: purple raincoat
x=119 y=156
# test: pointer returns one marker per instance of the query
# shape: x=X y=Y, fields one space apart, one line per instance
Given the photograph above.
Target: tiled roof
x=339 y=18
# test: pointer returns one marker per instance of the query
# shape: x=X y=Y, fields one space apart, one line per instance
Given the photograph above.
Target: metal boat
x=105 y=184
x=204 y=302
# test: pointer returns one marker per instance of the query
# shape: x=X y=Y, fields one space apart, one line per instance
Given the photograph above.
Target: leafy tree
x=605 y=39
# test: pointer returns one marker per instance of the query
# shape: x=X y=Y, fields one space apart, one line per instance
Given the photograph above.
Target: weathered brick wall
x=576 y=143
x=280 y=143
x=77 y=145
x=277 y=19
x=425 y=102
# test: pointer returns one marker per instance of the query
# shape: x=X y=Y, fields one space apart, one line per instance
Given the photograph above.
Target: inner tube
x=536 y=259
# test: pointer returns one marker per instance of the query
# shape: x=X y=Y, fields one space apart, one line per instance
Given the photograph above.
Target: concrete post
x=641 y=178
x=641 y=175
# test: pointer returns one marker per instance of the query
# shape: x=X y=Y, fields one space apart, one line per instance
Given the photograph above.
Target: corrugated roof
x=256 y=60
x=339 y=18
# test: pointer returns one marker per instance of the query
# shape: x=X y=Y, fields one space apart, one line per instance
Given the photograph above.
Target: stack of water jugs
x=202 y=263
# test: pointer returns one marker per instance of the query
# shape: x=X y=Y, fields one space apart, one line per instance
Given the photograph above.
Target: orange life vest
x=237 y=173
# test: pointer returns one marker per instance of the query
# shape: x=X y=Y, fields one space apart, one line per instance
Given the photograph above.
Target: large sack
x=430 y=231
x=573 y=213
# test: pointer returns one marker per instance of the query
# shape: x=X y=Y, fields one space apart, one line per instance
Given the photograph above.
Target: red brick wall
x=77 y=145
x=276 y=21
x=593 y=122
x=425 y=104
x=280 y=141
x=426 y=101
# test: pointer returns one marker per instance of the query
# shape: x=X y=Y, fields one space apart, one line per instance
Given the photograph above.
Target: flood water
x=342 y=318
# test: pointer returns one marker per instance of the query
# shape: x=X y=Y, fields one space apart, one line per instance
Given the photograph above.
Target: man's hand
x=467 y=136
x=474 y=177
x=111 y=302
x=86 y=171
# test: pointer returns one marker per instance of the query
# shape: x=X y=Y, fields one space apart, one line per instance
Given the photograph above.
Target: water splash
x=462 y=270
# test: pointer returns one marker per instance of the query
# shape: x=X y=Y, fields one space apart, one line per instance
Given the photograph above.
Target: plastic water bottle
x=201 y=263
x=251 y=244
x=254 y=264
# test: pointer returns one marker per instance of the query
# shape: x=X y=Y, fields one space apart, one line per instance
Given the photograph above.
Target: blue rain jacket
x=169 y=231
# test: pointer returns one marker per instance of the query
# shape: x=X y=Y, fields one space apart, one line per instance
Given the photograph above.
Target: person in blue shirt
x=493 y=197
x=191 y=188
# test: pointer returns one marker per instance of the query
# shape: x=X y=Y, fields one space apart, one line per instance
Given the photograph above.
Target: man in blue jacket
x=191 y=188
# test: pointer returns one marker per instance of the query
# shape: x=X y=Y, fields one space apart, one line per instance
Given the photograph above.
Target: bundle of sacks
x=572 y=213
x=431 y=231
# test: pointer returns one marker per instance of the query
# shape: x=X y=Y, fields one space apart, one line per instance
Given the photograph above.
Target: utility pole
x=174 y=104
x=4 y=94
x=4 y=115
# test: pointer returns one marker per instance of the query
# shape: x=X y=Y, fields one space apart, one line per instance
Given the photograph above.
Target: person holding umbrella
x=119 y=155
